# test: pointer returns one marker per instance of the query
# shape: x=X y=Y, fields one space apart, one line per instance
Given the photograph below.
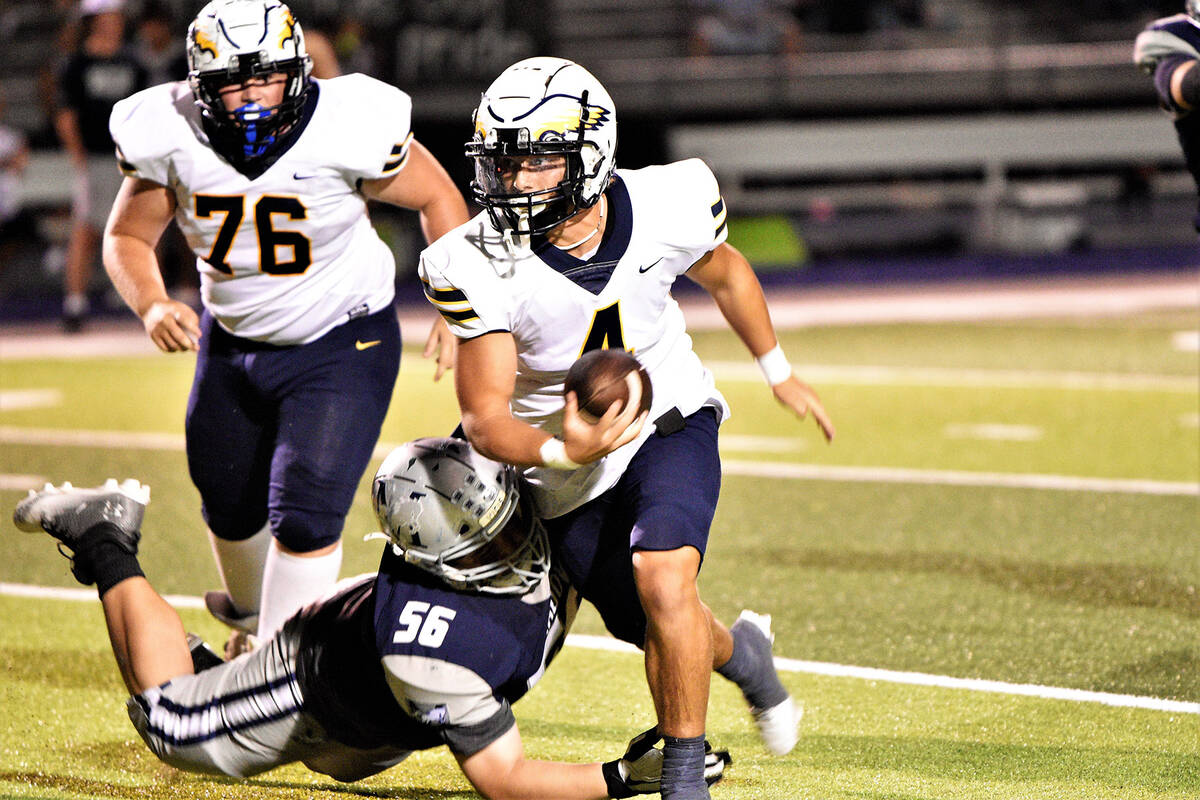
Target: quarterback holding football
x=268 y=172
x=572 y=255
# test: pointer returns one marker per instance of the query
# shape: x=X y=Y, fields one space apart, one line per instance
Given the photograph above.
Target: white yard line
x=607 y=643
x=53 y=437
x=1009 y=480
x=866 y=375
x=925 y=679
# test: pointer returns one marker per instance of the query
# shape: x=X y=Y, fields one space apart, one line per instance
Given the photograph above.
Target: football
x=598 y=379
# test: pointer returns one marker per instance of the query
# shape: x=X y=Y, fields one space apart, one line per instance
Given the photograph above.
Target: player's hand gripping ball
x=598 y=379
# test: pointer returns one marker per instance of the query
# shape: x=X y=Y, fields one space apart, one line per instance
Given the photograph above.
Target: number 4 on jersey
x=605 y=333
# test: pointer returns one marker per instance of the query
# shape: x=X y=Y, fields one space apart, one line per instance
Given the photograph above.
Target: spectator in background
x=352 y=47
x=157 y=47
x=101 y=72
x=14 y=156
x=744 y=27
x=1169 y=49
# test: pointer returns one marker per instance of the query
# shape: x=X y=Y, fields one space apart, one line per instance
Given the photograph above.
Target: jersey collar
x=593 y=273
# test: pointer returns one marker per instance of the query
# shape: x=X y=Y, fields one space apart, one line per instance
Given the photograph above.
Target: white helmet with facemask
x=233 y=41
x=543 y=106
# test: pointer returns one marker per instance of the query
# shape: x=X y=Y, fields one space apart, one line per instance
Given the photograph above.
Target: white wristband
x=554 y=454
x=774 y=365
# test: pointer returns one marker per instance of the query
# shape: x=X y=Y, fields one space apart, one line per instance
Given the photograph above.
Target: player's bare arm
x=425 y=186
x=139 y=215
x=726 y=275
x=500 y=771
x=485 y=380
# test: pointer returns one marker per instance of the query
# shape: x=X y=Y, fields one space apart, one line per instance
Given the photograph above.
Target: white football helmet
x=232 y=41
x=1193 y=9
x=543 y=106
x=453 y=513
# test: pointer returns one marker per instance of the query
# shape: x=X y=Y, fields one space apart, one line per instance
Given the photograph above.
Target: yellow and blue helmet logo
x=558 y=116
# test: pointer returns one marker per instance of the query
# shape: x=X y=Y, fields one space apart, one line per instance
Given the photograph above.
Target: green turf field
x=918 y=546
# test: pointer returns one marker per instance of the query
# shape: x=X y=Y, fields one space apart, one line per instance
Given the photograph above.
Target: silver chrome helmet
x=549 y=107
x=460 y=516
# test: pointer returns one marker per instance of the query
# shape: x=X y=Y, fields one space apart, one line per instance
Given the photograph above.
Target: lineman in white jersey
x=572 y=256
x=268 y=173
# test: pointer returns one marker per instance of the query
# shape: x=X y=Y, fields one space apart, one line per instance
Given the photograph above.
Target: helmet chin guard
x=551 y=107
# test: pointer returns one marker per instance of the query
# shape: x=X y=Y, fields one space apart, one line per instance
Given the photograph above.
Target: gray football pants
x=245 y=717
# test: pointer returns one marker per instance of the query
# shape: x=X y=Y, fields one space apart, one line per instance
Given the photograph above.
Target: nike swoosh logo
x=359 y=344
x=644 y=270
x=296 y=176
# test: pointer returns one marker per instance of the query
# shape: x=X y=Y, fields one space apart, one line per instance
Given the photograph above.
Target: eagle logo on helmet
x=569 y=115
x=203 y=44
x=288 y=30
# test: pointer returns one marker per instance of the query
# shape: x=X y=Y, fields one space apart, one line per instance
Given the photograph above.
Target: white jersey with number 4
x=659 y=221
x=288 y=255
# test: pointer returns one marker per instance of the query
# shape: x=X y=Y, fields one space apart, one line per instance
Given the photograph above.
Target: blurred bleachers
x=785 y=130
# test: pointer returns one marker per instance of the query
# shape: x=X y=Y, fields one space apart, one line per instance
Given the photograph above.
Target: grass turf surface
x=1078 y=589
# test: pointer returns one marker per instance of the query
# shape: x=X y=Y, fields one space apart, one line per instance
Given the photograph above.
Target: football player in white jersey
x=268 y=173
x=573 y=255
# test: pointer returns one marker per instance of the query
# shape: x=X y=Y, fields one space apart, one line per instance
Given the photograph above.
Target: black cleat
x=71 y=515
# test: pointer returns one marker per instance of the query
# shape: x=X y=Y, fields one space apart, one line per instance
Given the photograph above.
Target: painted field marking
x=1009 y=480
x=20 y=399
x=607 y=643
x=992 y=431
x=1186 y=341
x=21 y=482
x=866 y=375
x=762 y=469
x=761 y=444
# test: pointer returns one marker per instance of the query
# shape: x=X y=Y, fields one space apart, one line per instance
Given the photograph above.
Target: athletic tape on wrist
x=774 y=365
x=554 y=454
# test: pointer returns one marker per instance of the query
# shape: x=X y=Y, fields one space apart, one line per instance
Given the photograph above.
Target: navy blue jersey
x=1160 y=49
x=404 y=660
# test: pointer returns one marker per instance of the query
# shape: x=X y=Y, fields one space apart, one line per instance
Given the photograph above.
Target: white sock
x=291 y=582
x=241 y=565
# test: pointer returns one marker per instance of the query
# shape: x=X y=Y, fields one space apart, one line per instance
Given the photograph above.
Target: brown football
x=598 y=379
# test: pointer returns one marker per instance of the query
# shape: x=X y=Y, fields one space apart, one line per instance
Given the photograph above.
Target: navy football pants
x=664 y=500
x=284 y=433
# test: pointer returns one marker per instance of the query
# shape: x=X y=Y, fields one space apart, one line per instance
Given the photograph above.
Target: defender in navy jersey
x=573 y=254
x=460 y=621
x=268 y=173
x=1169 y=49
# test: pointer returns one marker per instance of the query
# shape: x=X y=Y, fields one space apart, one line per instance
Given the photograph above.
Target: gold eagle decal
x=204 y=44
x=566 y=115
